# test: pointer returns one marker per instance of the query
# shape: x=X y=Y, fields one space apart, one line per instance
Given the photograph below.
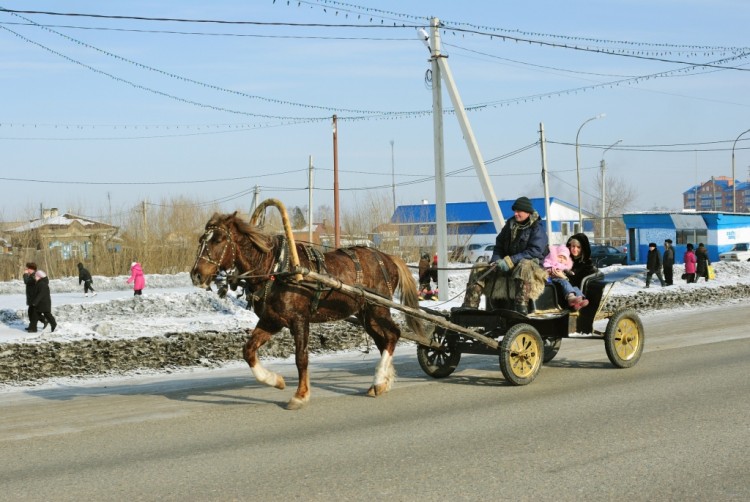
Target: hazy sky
x=102 y=112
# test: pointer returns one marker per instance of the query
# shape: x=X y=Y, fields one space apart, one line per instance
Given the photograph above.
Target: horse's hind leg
x=258 y=337
x=384 y=331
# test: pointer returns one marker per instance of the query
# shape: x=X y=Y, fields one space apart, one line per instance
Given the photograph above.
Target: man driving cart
x=519 y=249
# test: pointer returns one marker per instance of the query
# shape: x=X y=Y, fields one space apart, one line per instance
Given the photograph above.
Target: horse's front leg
x=301 y=332
x=258 y=337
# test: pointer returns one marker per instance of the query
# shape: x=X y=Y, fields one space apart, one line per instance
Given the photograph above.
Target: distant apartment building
x=716 y=195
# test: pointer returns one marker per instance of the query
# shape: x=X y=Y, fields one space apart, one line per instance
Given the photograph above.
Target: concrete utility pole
x=604 y=193
x=393 y=177
x=256 y=196
x=545 y=181
x=310 y=200
x=336 y=229
x=441 y=71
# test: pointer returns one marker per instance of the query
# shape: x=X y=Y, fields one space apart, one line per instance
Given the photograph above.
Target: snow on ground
x=171 y=304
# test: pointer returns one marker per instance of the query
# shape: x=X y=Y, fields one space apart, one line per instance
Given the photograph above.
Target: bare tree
x=620 y=196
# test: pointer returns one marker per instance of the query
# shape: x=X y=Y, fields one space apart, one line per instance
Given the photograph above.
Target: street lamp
x=604 y=193
x=578 y=171
x=734 y=203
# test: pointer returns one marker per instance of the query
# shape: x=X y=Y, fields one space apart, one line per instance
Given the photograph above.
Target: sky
x=101 y=111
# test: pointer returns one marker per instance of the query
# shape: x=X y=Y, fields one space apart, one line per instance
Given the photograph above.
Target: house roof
x=467 y=212
x=64 y=220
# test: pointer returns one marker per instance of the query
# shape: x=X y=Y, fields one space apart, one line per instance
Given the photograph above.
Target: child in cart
x=556 y=263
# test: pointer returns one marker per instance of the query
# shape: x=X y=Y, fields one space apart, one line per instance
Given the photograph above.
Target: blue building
x=717 y=231
x=471 y=222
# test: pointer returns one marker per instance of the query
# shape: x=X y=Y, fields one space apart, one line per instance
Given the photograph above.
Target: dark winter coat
x=42 y=300
x=519 y=241
x=30 y=282
x=701 y=258
x=582 y=265
x=653 y=261
x=669 y=257
x=83 y=274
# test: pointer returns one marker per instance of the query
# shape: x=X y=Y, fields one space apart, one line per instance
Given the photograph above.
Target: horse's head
x=217 y=251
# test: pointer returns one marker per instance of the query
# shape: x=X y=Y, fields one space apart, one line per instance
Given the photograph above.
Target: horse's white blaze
x=263 y=375
x=384 y=372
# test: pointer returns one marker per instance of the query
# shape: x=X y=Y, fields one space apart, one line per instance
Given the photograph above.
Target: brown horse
x=261 y=262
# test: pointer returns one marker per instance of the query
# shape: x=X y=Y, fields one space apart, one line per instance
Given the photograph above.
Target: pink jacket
x=689 y=262
x=137 y=277
x=552 y=260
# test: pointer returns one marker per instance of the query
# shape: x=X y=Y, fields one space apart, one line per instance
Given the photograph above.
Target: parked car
x=604 y=256
x=739 y=252
x=474 y=251
x=486 y=254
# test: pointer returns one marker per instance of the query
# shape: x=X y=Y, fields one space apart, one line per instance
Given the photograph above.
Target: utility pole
x=336 y=230
x=256 y=196
x=441 y=71
x=545 y=182
x=393 y=177
x=310 y=200
x=145 y=226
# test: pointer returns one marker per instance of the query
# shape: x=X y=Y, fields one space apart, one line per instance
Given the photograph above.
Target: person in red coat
x=690 y=262
x=137 y=278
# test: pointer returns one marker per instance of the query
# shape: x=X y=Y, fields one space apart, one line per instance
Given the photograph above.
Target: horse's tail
x=408 y=291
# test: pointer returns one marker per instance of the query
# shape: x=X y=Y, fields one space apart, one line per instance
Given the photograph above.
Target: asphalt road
x=674 y=427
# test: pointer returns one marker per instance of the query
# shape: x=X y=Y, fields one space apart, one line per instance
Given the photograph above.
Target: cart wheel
x=551 y=348
x=623 y=338
x=521 y=354
x=438 y=363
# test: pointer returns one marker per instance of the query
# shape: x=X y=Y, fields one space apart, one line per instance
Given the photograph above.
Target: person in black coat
x=702 y=261
x=653 y=264
x=30 y=281
x=42 y=301
x=580 y=252
x=522 y=238
x=84 y=276
x=668 y=262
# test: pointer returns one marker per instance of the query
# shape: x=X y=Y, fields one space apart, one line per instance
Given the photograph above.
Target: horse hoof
x=377 y=390
x=280 y=383
x=295 y=404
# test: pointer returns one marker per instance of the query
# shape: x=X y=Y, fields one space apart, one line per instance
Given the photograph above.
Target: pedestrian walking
x=653 y=264
x=84 y=276
x=30 y=281
x=702 y=261
x=690 y=262
x=668 y=262
x=43 y=301
x=137 y=278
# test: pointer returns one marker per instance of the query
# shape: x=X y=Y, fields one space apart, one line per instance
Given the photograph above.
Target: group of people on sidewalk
x=696 y=262
x=39 y=299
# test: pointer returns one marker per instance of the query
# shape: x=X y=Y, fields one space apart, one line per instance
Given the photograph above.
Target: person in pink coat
x=690 y=262
x=137 y=278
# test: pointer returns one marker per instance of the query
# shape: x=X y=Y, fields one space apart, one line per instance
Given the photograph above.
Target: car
x=486 y=254
x=474 y=251
x=739 y=252
x=604 y=256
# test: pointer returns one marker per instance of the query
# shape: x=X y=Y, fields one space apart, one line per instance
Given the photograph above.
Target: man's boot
x=473 y=296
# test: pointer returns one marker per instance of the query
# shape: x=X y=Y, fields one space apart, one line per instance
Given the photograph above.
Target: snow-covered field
x=170 y=304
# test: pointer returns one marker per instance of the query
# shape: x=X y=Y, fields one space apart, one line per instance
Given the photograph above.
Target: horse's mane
x=261 y=240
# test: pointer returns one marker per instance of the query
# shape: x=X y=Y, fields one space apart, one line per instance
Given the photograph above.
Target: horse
x=260 y=262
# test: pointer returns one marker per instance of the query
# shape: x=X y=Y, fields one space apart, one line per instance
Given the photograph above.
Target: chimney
x=45 y=213
x=53 y=212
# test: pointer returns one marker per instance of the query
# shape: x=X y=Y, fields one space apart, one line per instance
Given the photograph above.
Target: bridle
x=229 y=244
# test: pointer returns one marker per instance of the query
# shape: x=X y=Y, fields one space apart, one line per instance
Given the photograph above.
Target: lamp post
x=604 y=193
x=578 y=171
x=734 y=202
